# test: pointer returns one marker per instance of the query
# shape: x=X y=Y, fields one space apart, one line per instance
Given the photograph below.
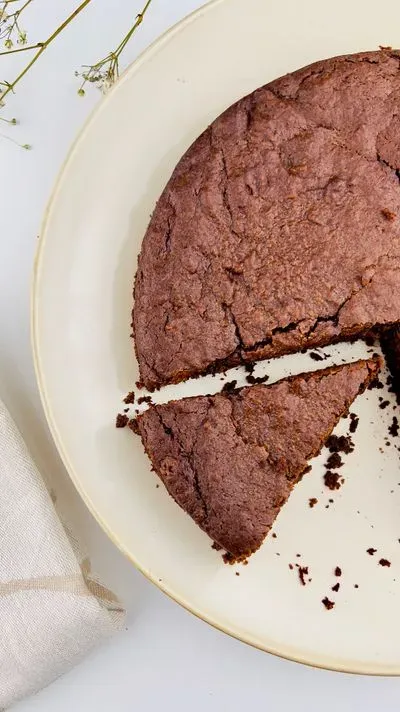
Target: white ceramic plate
x=85 y=365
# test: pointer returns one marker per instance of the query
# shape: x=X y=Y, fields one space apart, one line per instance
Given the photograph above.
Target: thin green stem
x=106 y=70
x=26 y=146
x=22 y=49
x=11 y=86
x=139 y=20
x=28 y=2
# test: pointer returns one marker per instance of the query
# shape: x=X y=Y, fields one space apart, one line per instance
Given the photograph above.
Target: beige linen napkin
x=52 y=610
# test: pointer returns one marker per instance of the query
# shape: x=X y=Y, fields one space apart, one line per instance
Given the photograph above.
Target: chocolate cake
x=231 y=460
x=279 y=228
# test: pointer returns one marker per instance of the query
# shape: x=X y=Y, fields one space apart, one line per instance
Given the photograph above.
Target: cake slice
x=231 y=460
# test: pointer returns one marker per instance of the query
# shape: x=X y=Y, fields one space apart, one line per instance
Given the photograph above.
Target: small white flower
x=106 y=85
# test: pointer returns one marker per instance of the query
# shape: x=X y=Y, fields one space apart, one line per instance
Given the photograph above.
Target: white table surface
x=164 y=657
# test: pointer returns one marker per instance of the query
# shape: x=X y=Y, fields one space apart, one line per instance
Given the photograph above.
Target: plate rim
x=62 y=174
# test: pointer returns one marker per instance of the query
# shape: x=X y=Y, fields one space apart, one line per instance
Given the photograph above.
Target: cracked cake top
x=279 y=228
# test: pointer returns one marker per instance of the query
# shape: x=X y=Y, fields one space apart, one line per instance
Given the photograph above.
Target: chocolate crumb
x=216 y=546
x=291 y=567
x=249 y=367
x=334 y=461
x=237 y=573
x=384 y=562
x=144 y=399
x=356 y=585
x=273 y=535
x=394 y=427
x=303 y=571
x=336 y=587
x=130 y=398
x=354 y=422
x=371 y=551
x=121 y=420
x=338 y=571
x=340 y=443
x=256 y=379
x=315 y=356
x=229 y=387
x=384 y=404
x=331 y=480
x=327 y=603
x=307 y=469
x=228 y=558
x=312 y=502
x=375 y=384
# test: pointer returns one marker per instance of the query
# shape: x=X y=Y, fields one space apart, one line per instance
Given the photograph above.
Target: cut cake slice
x=231 y=460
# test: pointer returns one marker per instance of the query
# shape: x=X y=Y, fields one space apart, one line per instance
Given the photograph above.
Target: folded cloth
x=52 y=610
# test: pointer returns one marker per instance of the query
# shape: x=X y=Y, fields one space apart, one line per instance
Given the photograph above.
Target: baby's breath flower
x=106 y=71
x=14 y=39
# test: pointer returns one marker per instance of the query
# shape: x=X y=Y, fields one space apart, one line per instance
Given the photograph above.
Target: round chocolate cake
x=279 y=228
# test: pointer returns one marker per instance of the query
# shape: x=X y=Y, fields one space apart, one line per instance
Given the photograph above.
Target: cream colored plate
x=81 y=315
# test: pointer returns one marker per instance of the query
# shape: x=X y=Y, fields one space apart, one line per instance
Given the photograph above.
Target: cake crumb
x=327 y=603
x=336 y=587
x=371 y=551
x=334 y=461
x=338 y=571
x=384 y=562
x=130 y=398
x=341 y=443
x=229 y=387
x=315 y=356
x=121 y=420
x=253 y=380
x=331 y=480
x=228 y=558
x=394 y=427
x=144 y=399
x=303 y=571
x=354 y=420
x=312 y=502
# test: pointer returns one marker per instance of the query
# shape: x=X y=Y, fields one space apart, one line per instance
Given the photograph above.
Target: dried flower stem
x=106 y=70
x=10 y=86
